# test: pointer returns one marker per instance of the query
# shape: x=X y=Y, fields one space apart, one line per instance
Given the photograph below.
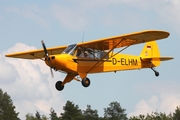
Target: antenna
x=83 y=36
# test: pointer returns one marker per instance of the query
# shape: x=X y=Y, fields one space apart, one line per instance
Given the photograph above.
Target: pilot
x=86 y=54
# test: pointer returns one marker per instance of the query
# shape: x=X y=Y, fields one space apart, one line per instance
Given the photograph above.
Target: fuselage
x=119 y=62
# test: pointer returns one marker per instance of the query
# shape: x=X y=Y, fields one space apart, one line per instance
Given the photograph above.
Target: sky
x=23 y=24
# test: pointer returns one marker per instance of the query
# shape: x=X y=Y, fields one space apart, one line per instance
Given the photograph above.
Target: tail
x=151 y=53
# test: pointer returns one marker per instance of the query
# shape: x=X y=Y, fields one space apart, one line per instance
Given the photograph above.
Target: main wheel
x=85 y=82
x=58 y=86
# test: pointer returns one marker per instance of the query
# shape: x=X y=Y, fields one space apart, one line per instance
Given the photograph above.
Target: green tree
x=152 y=116
x=7 y=109
x=71 y=112
x=114 y=112
x=53 y=115
x=37 y=116
x=176 y=115
x=140 y=117
x=90 y=114
x=30 y=117
x=158 y=116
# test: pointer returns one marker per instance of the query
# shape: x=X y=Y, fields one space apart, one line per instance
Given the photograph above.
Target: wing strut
x=101 y=60
x=97 y=64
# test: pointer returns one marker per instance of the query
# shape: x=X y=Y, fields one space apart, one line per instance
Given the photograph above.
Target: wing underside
x=125 y=40
x=37 y=54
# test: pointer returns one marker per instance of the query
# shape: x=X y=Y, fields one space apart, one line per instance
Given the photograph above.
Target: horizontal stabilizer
x=157 y=58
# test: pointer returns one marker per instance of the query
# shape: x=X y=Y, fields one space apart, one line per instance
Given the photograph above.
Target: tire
x=156 y=74
x=85 y=82
x=58 y=86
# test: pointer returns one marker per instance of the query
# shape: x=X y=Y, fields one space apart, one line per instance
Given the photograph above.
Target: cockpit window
x=69 y=49
x=84 y=52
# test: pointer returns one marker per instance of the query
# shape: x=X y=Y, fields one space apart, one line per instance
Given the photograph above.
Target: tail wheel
x=85 y=82
x=156 y=74
x=59 y=85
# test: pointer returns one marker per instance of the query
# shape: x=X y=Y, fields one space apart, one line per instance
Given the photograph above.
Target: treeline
x=113 y=112
x=72 y=112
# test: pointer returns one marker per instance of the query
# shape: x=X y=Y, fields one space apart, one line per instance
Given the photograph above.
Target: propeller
x=47 y=57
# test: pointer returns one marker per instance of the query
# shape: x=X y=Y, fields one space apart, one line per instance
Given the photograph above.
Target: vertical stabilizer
x=151 y=52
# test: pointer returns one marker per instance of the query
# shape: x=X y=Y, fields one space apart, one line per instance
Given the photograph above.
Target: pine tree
x=7 y=109
x=114 y=112
x=90 y=114
x=176 y=115
x=71 y=112
x=37 y=116
x=53 y=115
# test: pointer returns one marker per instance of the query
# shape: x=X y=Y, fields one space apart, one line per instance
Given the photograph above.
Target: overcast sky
x=23 y=24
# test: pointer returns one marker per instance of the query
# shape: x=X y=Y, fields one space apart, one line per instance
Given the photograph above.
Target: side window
x=84 y=52
x=89 y=53
x=102 y=54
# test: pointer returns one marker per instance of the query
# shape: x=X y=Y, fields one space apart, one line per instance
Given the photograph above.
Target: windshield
x=69 y=49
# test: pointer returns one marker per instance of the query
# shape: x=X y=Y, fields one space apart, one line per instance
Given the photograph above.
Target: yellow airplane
x=99 y=56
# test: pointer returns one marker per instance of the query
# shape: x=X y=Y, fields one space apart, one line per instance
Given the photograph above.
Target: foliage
x=71 y=112
x=90 y=114
x=114 y=112
x=53 y=115
x=152 y=116
x=176 y=115
x=36 y=117
x=7 y=109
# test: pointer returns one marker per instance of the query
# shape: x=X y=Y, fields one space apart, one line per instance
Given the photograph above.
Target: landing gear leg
x=156 y=72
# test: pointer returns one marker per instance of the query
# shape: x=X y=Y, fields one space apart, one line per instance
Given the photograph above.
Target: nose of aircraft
x=58 y=61
x=61 y=60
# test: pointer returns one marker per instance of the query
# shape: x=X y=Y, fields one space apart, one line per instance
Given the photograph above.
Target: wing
x=101 y=44
x=37 y=54
x=125 y=40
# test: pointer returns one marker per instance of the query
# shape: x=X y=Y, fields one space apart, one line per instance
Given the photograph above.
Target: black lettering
x=135 y=62
x=122 y=61
x=126 y=62
x=130 y=61
x=114 y=61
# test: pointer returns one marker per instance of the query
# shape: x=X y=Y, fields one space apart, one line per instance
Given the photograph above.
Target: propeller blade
x=47 y=57
x=45 y=50
x=51 y=72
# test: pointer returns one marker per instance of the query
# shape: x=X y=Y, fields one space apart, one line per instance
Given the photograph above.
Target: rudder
x=151 y=53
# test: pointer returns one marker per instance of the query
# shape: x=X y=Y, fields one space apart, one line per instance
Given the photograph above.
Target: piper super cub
x=98 y=56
